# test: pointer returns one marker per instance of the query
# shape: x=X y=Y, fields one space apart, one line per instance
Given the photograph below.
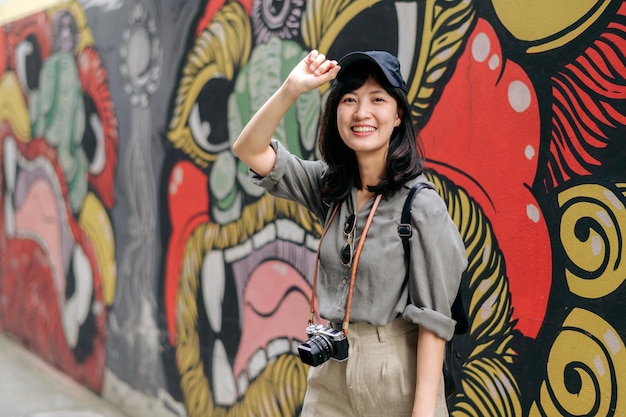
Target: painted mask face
x=58 y=152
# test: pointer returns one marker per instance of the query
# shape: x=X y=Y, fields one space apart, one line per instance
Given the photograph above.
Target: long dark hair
x=405 y=159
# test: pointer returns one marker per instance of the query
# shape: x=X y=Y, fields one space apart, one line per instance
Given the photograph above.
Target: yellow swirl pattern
x=219 y=51
x=584 y=366
x=568 y=19
x=593 y=226
x=488 y=387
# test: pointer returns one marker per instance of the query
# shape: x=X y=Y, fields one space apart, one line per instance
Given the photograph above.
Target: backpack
x=458 y=312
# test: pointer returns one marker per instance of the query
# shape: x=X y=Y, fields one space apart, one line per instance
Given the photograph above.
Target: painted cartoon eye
x=200 y=119
x=28 y=46
x=28 y=62
x=100 y=137
x=208 y=119
x=276 y=19
x=93 y=138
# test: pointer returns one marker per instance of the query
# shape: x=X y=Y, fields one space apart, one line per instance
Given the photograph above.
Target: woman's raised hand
x=253 y=144
x=313 y=71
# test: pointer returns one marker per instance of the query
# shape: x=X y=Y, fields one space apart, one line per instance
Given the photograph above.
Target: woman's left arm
x=430 y=352
x=438 y=260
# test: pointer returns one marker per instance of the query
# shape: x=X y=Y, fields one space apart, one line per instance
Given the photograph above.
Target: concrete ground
x=29 y=387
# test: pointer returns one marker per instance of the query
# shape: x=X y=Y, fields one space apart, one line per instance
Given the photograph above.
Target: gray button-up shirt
x=437 y=261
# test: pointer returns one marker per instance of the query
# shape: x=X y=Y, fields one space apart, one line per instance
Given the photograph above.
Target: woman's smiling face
x=366 y=118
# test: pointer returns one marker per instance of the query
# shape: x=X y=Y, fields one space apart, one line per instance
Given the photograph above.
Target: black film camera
x=324 y=343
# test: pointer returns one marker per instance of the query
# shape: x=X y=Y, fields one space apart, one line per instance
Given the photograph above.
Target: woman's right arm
x=253 y=144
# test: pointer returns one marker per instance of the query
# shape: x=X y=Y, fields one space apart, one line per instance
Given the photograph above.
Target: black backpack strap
x=458 y=314
x=405 y=231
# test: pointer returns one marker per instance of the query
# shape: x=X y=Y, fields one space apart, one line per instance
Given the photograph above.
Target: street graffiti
x=207 y=279
x=58 y=135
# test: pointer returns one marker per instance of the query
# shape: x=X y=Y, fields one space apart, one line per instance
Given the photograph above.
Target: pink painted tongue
x=38 y=214
x=275 y=305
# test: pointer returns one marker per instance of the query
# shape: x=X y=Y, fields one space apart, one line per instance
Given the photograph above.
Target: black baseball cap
x=388 y=64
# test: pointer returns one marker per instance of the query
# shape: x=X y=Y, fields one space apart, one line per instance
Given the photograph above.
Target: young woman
x=370 y=160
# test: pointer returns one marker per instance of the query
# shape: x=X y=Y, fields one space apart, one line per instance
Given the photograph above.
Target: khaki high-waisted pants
x=377 y=380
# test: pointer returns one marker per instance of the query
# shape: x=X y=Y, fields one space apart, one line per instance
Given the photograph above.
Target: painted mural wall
x=137 y=257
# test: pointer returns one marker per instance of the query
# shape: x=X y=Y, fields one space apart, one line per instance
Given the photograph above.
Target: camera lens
x=316 y=350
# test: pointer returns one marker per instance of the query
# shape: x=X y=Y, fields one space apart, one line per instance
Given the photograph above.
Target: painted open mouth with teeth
x=30 y=188
x=252 y=276
x=47 y=263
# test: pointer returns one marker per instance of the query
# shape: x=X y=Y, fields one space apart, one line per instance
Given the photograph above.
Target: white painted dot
x=485 y=285
x=599 y=364
x=494 y=62
x=615 y=202
x=604 y=217
x=445 y=54
x=487 y=307
x=596 y=245
x=176 y=180
x=519 y=96
x=481 y=47
x=462 y=30
x=434 y=77
x=532 y=211
x=612 y=341
x=506 y=382
x=529 y=152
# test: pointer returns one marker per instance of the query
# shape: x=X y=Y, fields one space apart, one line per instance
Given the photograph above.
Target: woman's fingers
x=314 y=70
x=310 y=58
x=325 y=67
x=318 y=63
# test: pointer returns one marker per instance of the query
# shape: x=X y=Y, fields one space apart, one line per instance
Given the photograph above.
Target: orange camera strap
x=355 y=263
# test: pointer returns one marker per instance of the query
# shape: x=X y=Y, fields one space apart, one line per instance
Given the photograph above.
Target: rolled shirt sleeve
x=438 y=260
x=305 y=179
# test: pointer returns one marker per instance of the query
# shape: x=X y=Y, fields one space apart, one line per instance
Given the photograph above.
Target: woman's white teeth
x=363 y=129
